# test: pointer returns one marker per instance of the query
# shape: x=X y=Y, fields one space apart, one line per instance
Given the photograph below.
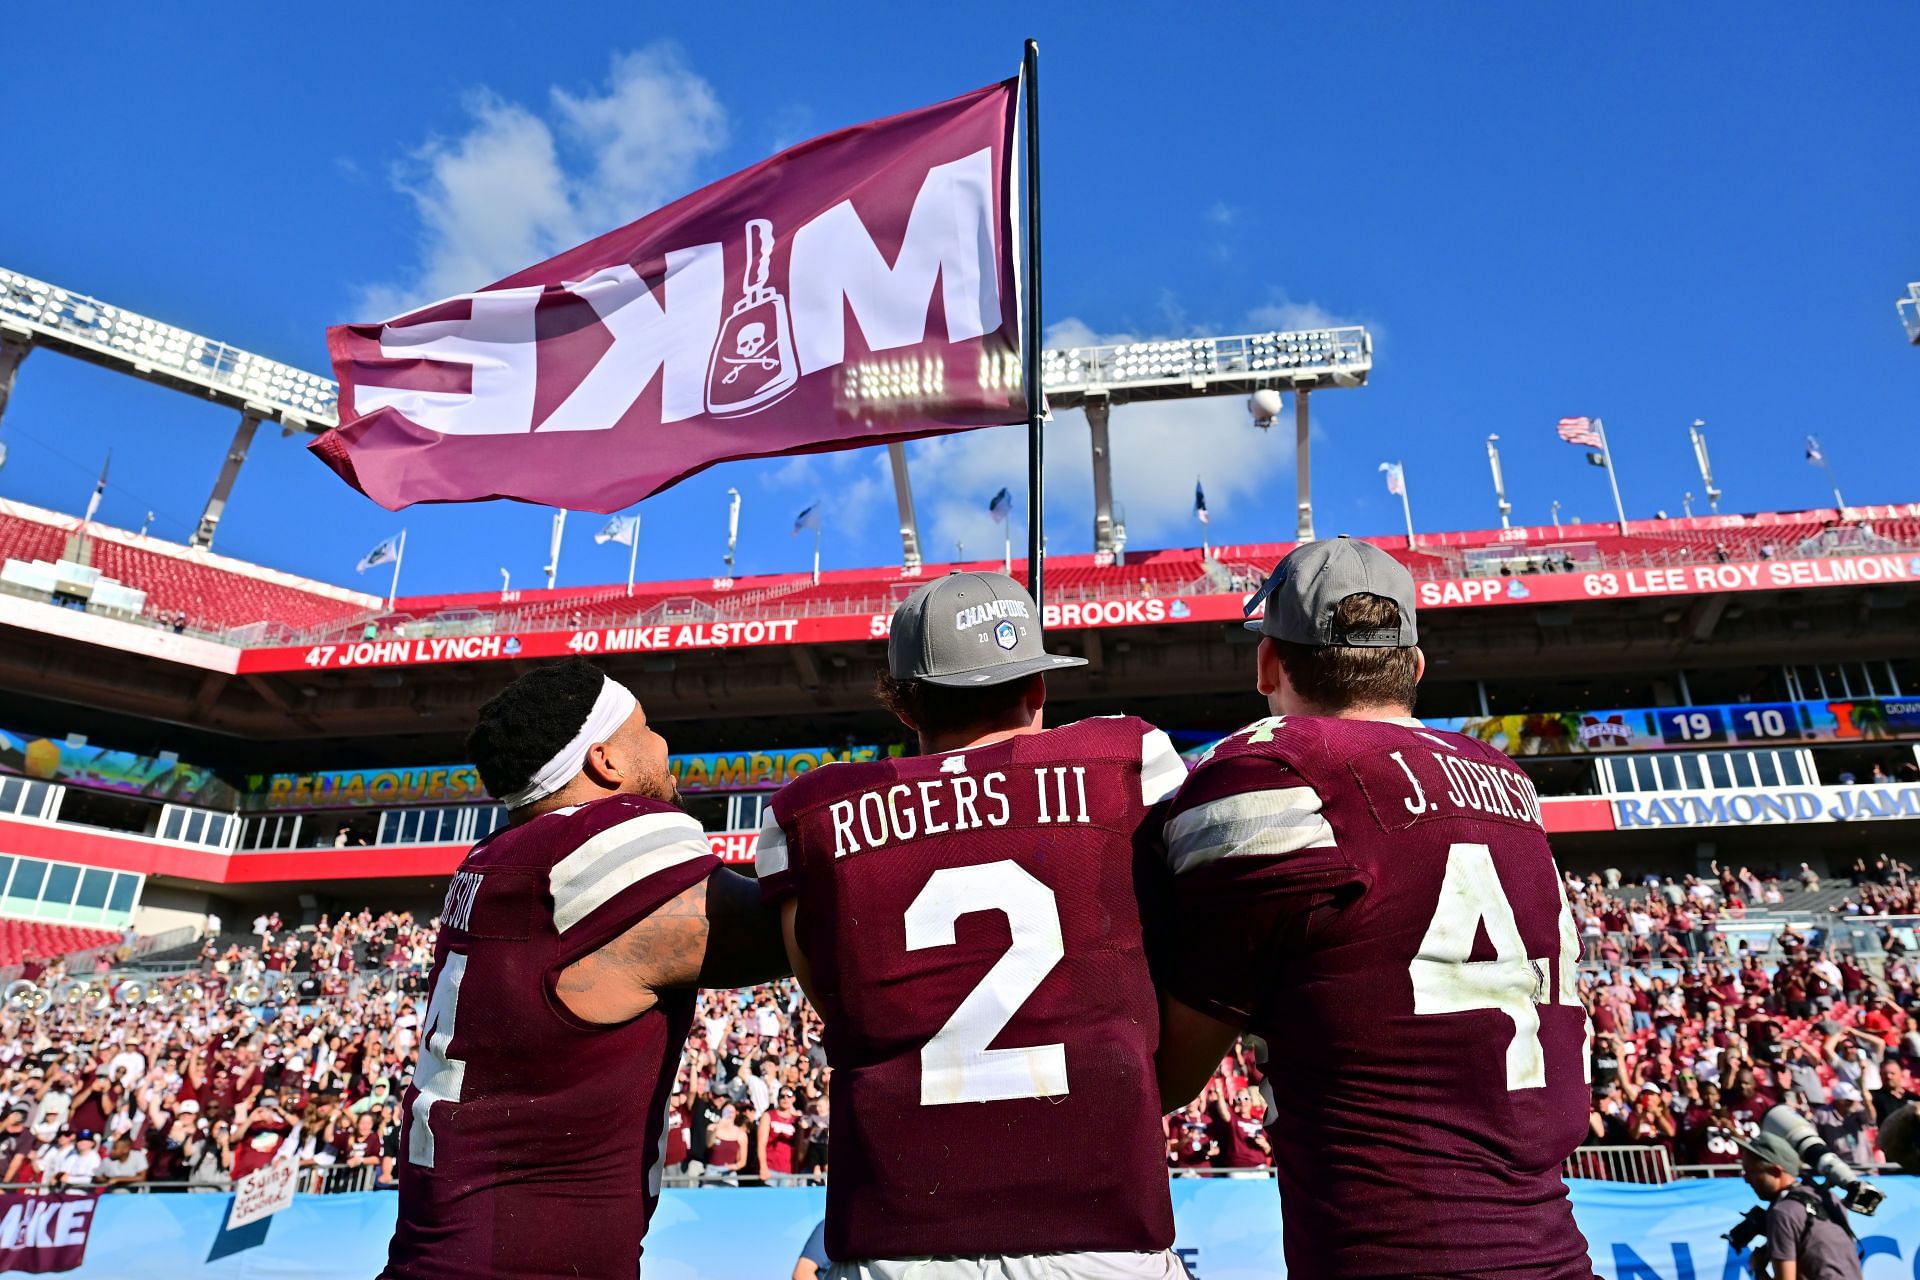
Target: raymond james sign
x=1766 y=806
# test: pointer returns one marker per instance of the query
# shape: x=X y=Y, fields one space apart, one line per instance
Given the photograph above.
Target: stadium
x=234 y=798
x=203 y=755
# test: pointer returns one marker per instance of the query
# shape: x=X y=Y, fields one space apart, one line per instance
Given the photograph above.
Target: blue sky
x=1651 y=213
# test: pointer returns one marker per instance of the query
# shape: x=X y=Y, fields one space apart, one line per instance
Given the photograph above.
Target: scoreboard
x=1760 y=722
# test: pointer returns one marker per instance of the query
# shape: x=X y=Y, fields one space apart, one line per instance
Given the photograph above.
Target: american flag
x=1580 y=431
x=1396 y=478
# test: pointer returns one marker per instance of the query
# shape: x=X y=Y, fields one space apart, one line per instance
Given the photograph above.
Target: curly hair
x=525 y=724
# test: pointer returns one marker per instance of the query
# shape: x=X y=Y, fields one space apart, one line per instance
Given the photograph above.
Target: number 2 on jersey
x=1446 y=981
x=956 y=1065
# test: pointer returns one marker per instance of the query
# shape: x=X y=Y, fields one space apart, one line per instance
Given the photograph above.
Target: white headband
x=610 y=710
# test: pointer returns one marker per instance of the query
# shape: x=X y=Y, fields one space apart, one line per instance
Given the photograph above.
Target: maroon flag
x=856 y=289
x=40 y=1234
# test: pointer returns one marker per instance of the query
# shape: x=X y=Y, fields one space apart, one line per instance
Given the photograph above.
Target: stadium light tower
x=1500 y=483
x=36 y=314
x=903 y=497
x=733 y=528
x=1095 y=379
x=1098 y=378
x=1699 y=437
x=1909 y=308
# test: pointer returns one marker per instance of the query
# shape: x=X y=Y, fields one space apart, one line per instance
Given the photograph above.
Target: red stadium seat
x=215 y=593
x=39 y=940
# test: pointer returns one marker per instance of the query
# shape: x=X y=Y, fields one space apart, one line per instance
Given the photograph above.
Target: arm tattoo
x=618 y=981
x=715 y=934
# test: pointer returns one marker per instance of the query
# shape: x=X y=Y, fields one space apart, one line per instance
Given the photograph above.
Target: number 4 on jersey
x=1445 y=980
x=438 y=1078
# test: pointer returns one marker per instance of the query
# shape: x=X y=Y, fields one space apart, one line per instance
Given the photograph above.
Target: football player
x=1376 y=902
x=562 y=987
x=966 y=923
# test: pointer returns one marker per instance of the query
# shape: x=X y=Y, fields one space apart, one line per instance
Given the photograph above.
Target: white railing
x=1438 y=564
x=1619 y=1164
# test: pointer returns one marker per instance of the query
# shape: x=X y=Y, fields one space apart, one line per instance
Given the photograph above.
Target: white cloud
x=1158 y=450
x=519 y=186
x=1283 y=313
x=852 y=487
x=646 y=133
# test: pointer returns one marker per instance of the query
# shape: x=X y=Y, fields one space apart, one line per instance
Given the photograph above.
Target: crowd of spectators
x=197 y=1080
x=309 y=1032
x=751 y=1098
x=1695 y=1040
x=1882 y=887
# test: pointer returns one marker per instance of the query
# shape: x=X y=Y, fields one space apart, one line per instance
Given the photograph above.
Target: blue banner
x=1229 y=1229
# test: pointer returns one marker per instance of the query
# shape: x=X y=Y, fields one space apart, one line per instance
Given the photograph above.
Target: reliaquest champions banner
x=457 y=783
x=1229 y=1229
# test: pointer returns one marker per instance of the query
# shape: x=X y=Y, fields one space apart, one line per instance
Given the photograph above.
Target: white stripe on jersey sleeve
x=621 y=856
x=1252 y=824
x=1161 y=768
x=770 y=850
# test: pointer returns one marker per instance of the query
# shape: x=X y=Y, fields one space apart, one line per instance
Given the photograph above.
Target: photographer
x=1807 y=1237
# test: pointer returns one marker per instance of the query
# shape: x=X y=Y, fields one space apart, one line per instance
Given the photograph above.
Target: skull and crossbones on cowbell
x=750 y=344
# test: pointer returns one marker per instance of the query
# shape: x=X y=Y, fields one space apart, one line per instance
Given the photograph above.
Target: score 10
x=1760 y=722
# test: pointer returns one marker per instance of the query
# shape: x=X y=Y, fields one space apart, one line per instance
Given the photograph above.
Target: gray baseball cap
x=1307 y=585
x=967 y=630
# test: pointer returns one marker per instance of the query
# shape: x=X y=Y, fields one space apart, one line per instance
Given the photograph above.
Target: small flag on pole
x=1596 y=459
x=1001 y=509
x=624 y=530
x=386 y=553
x=1814 y=455
x=1200 y=502
x=100 y=490
x=1396 y=474
x=810 y=519
x=1580 y=431
x=621 y=529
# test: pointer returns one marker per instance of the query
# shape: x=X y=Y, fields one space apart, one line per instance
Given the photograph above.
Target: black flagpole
x=1030 y=356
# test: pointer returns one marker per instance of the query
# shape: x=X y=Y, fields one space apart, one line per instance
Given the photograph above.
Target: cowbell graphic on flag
x=752 y=363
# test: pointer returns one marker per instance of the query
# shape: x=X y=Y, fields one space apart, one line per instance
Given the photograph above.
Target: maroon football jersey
x=974 y=935
x=533 y=1140
x=1377 y=902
